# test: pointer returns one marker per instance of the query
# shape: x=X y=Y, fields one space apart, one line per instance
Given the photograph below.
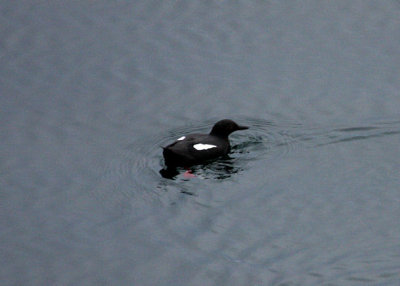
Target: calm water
x=90 y=90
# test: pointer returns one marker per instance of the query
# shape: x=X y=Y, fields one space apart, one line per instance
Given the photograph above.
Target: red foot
x=188 y=174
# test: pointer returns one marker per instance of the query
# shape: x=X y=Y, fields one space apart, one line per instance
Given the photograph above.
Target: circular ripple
x=134 y=172
x=262 y=139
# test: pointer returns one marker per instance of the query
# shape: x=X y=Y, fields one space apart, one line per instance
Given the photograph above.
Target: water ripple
x=355 y=133
x=264 y=138
x=135 y=169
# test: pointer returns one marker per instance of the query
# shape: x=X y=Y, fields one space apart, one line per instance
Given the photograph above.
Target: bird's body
x=193 y=149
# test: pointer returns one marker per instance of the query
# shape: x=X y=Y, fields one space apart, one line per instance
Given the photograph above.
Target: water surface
x=309 y=195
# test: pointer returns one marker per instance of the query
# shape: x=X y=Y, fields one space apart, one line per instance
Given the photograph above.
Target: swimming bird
x=194 y=149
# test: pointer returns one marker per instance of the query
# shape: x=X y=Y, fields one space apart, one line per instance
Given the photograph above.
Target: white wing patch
x=201 y=146
x=181 y=138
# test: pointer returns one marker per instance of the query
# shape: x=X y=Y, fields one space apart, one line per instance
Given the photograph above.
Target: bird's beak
x=242 y=127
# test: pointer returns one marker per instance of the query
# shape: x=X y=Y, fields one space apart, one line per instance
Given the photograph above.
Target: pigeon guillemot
x=196 y=148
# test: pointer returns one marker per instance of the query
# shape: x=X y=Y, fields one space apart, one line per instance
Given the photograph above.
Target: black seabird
x=194 y=149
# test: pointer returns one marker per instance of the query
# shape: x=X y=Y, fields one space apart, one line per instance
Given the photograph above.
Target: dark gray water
x=90 y=90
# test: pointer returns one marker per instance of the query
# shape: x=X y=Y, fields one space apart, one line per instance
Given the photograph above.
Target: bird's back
x=194 y=149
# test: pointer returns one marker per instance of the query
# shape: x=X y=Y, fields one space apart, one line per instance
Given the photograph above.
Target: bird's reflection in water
x=220 y=169
x=169 y=172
